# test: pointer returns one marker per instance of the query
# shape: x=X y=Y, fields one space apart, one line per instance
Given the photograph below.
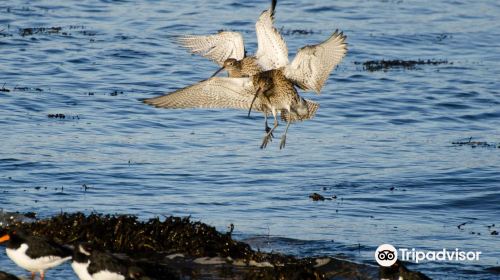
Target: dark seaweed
x=39 y=30
x=150 y=244
x=384 y=65
x=475 y=144
x=56 y=116
x=288 y=32
x=316 y=197
x=4 y=89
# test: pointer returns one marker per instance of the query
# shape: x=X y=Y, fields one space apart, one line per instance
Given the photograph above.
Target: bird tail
x=312 y=107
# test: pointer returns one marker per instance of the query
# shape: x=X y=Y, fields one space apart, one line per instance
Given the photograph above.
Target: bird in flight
x=227 y=49
x=271 y=88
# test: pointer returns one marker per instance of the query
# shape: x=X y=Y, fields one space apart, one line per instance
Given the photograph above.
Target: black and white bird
x=90 y=264
x=81 y=261
x=35 y=254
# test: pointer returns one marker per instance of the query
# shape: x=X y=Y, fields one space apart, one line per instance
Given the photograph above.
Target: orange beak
x=4 y=238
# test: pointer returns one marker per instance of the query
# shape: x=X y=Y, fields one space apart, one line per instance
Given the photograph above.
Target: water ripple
x=381 y=142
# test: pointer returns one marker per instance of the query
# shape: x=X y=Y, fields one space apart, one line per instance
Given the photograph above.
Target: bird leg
x=32 y=276
x=267 y=126
x=259 y=91
x=268 y=136
x=283 y=137
x=42 y=275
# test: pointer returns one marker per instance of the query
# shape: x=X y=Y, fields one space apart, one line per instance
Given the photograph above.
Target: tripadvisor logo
x=387 y=255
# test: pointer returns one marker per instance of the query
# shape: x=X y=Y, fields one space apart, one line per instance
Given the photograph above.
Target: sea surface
x=74 y=135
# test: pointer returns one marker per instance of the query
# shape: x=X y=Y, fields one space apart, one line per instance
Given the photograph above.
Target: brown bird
x=227 y=49
x=269 y=91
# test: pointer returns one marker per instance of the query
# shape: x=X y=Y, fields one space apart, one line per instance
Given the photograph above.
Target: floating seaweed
x=30 y=31
x=4 y=89
x=178 y=248
x=62 y=116
x=287 y=32
x=16 y=88
x=115 y=93
x=474 y=144
x=319 y=197
x=316 y=197
x=56 y=116
x=39 y=30
x=283 y=31
x=384 y=65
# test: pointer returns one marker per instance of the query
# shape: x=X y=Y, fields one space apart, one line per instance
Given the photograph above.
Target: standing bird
x=269 y=91
x=34 y=254
x=227 y=49
x=90 y=264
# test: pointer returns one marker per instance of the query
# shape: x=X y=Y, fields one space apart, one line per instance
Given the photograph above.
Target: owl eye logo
x=386 y=255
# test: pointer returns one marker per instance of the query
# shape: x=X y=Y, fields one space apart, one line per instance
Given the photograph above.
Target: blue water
x=374 y=131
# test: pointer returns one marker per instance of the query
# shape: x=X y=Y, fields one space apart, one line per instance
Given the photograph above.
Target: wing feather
x=272 y=52
x=313 y=64
x=216 y=92
x=217 y=47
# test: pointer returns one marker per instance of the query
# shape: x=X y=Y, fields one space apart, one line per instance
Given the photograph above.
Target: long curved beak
x=4 y=238
x=217 y=72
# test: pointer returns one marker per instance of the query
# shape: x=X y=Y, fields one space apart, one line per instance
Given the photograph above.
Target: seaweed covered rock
x=178 y=248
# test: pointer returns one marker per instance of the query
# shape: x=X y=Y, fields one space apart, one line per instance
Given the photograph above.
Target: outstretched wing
x=272 y=52
x=217 y=92
x=218 y=47
x=312 y=64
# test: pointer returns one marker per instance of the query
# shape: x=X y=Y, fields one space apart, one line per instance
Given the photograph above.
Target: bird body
x=104 y=266
x=265 y=82
x=267 y=92
x=90 y=264
x=81 y=262
x=81 y=270
x=227 y=49
x=246 y=67
x=34 y=254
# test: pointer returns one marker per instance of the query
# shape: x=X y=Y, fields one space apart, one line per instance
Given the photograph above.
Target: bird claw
x=268 y=129
x=283 y=141
x=266 y=140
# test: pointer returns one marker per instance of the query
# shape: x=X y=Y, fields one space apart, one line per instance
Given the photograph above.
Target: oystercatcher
x=90 y=264
x=81 y=261
x=34 y=254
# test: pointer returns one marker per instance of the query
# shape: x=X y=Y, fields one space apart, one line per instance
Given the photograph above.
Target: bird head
x=229 y=65
x=85 y=248
x=5 y=238
x=11 y=234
